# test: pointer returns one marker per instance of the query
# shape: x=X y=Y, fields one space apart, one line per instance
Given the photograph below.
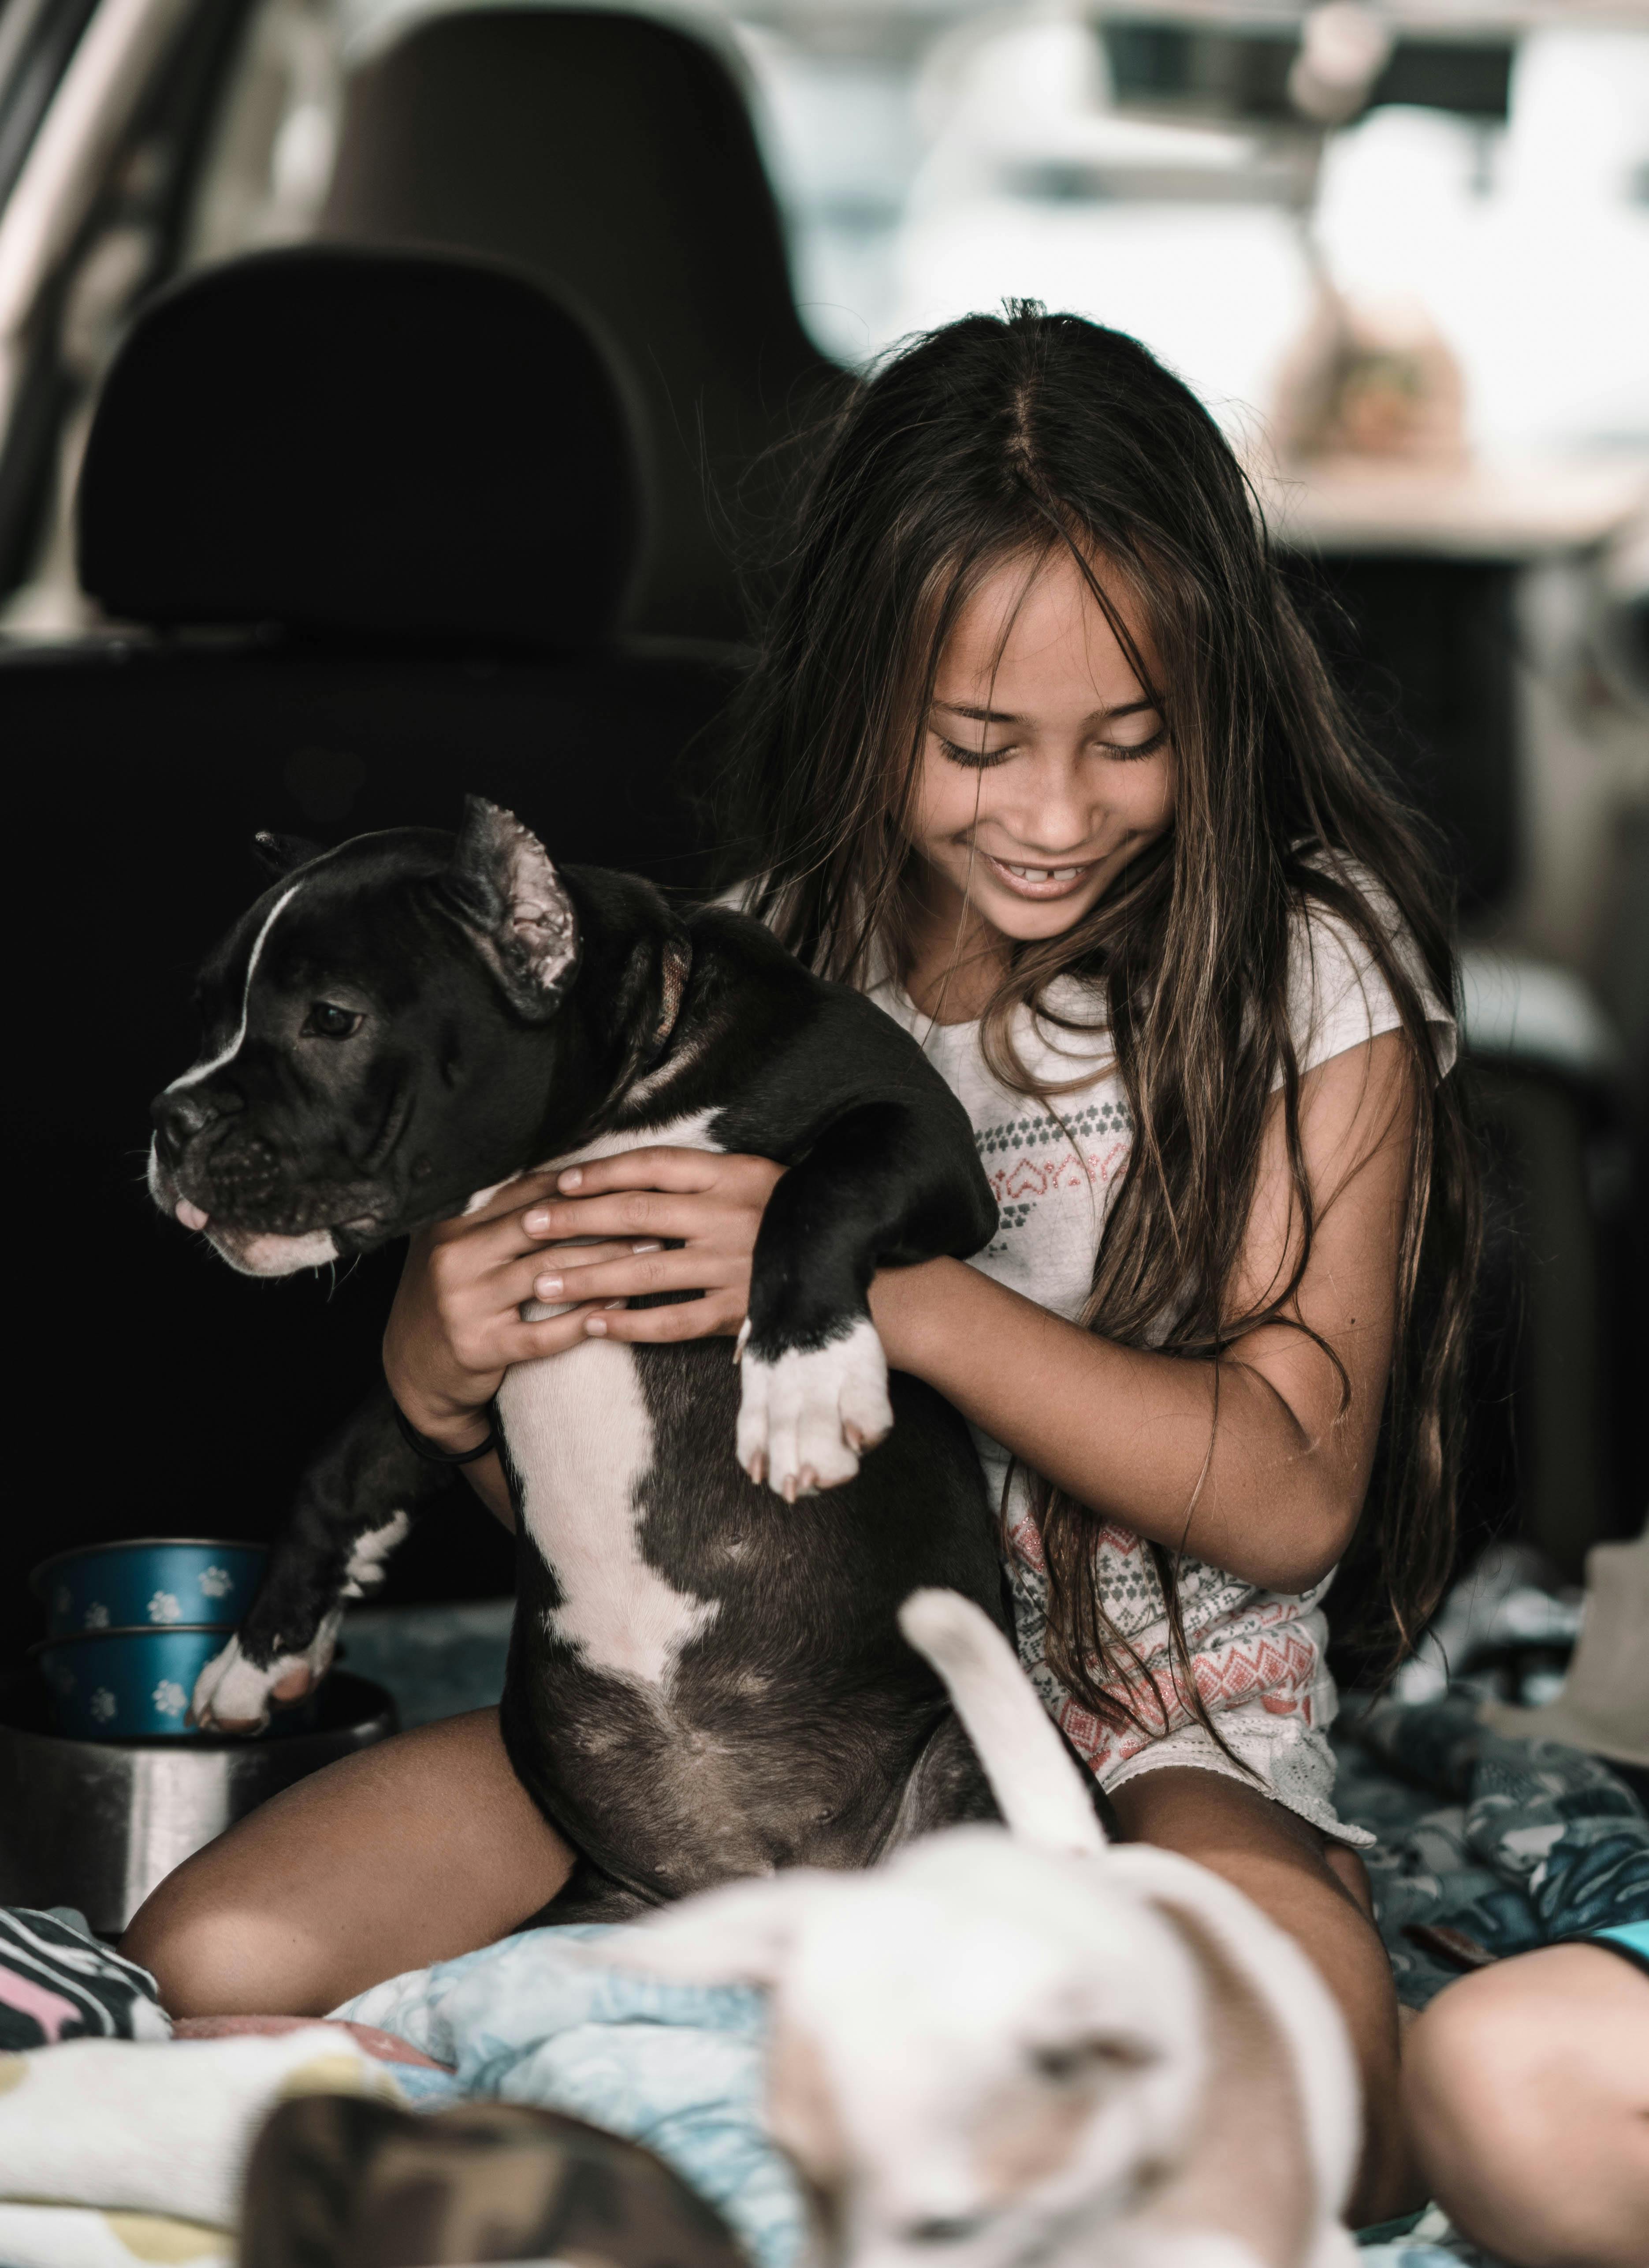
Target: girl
x=1037 y=751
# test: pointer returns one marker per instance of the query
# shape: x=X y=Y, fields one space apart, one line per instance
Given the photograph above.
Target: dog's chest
x=582 y=1439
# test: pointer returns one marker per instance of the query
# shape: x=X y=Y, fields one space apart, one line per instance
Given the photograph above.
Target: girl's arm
x=1272 y=1492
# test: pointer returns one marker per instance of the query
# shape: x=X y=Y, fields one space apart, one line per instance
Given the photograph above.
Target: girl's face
x=1045 y=768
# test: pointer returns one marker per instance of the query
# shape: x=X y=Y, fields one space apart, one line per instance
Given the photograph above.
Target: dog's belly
x=582 y=1441
x=701 y=1684
x=704 y=1683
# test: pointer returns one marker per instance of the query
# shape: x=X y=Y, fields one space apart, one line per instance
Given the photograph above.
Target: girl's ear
x=741 y=1935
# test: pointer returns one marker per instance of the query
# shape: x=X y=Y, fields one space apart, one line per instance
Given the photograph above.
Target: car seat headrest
x=367 y=444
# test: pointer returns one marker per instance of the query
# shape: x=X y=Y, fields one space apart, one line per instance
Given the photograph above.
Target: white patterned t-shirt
x=1257 y=1656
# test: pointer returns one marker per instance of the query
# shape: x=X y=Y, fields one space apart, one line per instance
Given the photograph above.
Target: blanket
x=1512 y=1843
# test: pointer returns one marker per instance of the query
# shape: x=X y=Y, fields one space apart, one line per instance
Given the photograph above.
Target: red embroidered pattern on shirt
x=1025 y=1177
x=1278 y=1673
x=1252 y=1650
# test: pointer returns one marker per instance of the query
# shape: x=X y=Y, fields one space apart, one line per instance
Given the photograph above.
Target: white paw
x=804 y=1419
x=232 y=1695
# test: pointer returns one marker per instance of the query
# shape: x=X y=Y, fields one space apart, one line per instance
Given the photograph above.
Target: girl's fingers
x=664 y=1168
x=518 y=1280
x=631 y=1276
x=507 y=1199
x=715 y=1317
x=630 y=1213
x=531 y=1342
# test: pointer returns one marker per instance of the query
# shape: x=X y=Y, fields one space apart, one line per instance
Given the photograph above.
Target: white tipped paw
x=232 y=1695
x=806 y=1417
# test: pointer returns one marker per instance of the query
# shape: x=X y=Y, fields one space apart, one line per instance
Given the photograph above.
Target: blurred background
x=1402 y=251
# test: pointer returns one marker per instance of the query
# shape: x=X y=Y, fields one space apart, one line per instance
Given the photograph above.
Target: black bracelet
x=431 y=1452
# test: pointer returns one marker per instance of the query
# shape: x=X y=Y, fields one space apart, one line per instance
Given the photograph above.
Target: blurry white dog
x=1007 y=2048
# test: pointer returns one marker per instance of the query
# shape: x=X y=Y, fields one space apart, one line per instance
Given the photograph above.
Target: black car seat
x=612 y=157
x=372 y=516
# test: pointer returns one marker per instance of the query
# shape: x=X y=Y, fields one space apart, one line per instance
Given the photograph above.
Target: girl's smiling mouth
x=1026 y=880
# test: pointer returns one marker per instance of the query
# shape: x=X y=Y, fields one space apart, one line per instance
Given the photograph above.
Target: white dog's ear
x=512 y=902
x=741 y=1935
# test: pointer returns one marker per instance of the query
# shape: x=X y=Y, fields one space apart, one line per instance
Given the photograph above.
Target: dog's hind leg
x=589 y=1894
x=354 y=1505
x=948 y=1788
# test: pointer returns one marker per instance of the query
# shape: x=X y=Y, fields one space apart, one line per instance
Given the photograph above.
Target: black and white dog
x=704 y=1682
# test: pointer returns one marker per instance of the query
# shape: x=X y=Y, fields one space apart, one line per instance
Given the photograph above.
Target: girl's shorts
x=1286 y=1759
x=1629 y=1939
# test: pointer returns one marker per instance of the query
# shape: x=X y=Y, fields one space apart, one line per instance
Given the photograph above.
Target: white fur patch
x=261 y=1255
x=369 y=1552
x=580 y=1436
x=803 y=1419
x=231 y=1694
x=228 y=1054
x=691 y=1132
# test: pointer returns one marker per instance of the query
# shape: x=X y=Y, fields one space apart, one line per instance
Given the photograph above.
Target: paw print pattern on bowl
x=170 y=1698
x=212 y=1580
x=96 y=1616
x=102 y=1705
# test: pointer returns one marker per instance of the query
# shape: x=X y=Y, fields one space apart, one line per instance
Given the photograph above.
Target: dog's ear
x=509 y=898
x=741 y=1935
x=278 y=854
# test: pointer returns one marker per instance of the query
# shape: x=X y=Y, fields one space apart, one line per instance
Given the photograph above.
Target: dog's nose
x=180 y=1114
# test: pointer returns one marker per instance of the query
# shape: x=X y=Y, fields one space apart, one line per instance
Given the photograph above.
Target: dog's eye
x=1082 y=2058
x=944 y=2232
x=327 y=1021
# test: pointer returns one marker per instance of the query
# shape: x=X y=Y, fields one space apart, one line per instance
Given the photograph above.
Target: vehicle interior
x=402 y=400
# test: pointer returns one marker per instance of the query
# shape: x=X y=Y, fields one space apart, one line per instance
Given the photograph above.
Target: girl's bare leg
x=409 y=1853
x=1527 y=2091
x=1280 y=1862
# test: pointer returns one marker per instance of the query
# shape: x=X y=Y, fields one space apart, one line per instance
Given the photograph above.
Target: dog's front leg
x=888 y=1183
x=354 y=1505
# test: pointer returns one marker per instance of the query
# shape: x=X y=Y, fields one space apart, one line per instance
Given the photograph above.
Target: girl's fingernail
x=535 y=1221
x=653 y=1247
x=595 y=1326
x=572 y=1179
x=547 y=1288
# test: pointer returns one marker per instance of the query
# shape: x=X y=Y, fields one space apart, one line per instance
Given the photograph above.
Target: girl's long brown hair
x=998 y=439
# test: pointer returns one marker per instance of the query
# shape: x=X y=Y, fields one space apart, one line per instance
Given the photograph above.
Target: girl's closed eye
x=976 y=760
x=1125 y=751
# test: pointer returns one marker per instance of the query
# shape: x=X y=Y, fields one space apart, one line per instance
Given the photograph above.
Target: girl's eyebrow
x=1007 y=717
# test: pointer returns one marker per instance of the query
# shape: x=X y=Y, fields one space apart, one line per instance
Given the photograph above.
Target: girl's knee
x=210 y=1959
x=1520 y=2123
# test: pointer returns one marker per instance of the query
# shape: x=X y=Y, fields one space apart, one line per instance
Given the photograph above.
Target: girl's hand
x=456 y=1327
x=705 y=1205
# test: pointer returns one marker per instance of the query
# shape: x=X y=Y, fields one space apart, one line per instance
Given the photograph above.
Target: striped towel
x=58 y=1983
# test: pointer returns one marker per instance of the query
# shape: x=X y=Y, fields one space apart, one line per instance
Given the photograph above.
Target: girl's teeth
x=1044 y=873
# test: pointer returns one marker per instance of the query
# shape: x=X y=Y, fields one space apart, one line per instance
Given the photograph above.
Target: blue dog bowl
x=160 y=1581
x=126 y=1684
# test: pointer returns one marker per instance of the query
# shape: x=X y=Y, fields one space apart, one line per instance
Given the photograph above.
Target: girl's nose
x=1057 y=810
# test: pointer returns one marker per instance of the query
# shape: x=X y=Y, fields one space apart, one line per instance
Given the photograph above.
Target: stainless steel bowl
x=97 y=1823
